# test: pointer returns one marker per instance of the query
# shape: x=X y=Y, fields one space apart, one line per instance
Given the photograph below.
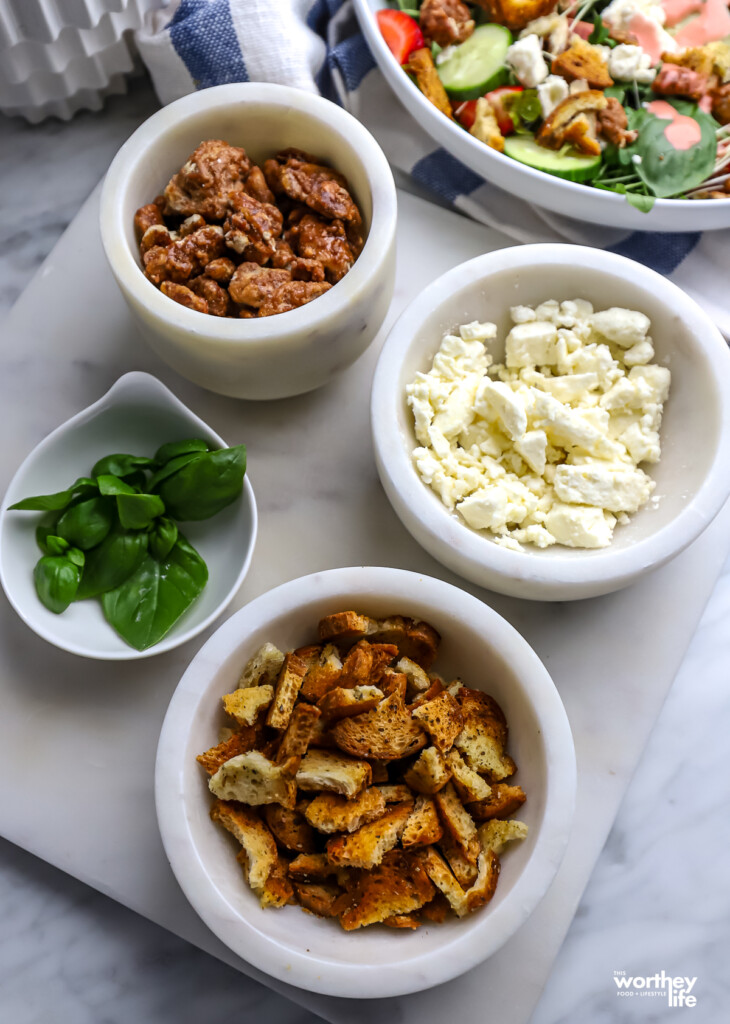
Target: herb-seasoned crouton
x=458 y=822
x=287 y=688
x=402 y=921
x=317 y=897
x=442 y=719
x=345 y=626
x=429 y=773
x=437 y=909
x=503 y=801
x=397 y=886
x=515 y=14
x=386 y=732
x=277 y=890
x=311 y=867
x=395 y=794
x=365 y=663
x=299 y=732
x=333 y=773
x=237 y=743
x=486 y=126
x=263 y=667
x=484 y=737
x=333 y=813
x=290 y=828
x=417 y=679
x=421 y=64
x=469 y=786
x=414 y=639
x=252 y=779
x=574 y=122
x=342 y=703
x=465 y=871
x=244 y=705
x=582 y=60
x=367 y=847
x=496 y=834
x=435 y=689
x=322 y=676
x=462 y=902
x=423 y=826
x=253 y=835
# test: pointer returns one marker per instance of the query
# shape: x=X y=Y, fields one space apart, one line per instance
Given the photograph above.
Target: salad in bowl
x=625 y=96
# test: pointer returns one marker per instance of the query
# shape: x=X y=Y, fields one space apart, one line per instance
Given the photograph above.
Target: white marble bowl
x=277 y=356
x=565 y=197
x=692 y=478
x=137 y=415
x=316 y=954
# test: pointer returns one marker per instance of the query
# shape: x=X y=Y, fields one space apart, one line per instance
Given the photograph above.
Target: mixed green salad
x=629 y=96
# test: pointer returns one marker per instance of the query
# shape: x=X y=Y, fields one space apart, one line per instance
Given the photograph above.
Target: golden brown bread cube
x=502 y=802
x=442 y=718
x=238 y=743
x=287 y=688
x=290 y=828
x=483 y=740
x=386 y=732
x=330 y=812
x=299 y=732
x=398 y=886
x=423 y=826
x=330 y=771
x=458 y=822
x=245 y=704
x=429 y=772
x=366 y=847
x=252 y=778
x=344 y=702
x=247 y=827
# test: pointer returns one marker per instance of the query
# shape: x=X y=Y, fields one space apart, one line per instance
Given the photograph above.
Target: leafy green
x=112 y=562
x=137 y=511
x=206 y=485
x=642 y=203
x=112 y=485
x=85 y=525
x=617 y=92
x=60 y=500
x=121 y=465
x=163 y=536
x=54 y=545
x=56 y=582
x=175 y=448
x=667 y=171
x=600 y=35
x=171 y=467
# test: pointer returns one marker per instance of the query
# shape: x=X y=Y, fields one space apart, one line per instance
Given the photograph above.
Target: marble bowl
x=136 y=415
x=692 y=479
x=306 y=951
x=277 y=356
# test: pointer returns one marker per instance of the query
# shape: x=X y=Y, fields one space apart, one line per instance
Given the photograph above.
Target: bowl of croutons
x=365 y=782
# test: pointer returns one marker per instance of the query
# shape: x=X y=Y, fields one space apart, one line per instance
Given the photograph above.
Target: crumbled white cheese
x=544 y=448
x=526 y=60
x=629 y=63
x=551 y=92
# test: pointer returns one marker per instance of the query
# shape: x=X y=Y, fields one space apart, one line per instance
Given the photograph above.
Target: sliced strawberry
x=401 y=34
x=465 y=113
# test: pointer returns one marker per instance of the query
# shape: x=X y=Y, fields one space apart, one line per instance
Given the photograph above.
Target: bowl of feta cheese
x=553 y=421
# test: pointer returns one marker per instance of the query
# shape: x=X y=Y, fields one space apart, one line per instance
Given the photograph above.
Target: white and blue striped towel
x=316 y=45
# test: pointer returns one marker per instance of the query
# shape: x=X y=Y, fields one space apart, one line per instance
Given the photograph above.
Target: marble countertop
x=659 y=898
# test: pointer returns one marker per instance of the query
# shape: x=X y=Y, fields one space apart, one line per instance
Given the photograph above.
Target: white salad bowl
x=565 y=197
x=269 y=357
x=692 y=478
x=309 y=952
x=136 y=416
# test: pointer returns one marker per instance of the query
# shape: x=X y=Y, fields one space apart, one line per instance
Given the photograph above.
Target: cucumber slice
x=573 y=166
x=477 y=65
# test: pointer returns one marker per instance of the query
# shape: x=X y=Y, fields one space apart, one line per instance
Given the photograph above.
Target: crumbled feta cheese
x=615 y=487
x=526 y=60
x=531 y=344
x=532 y=446
x=578 y=527
x=497 y=401
x=476 y=331
x=629 y=63
x=624 y=327
x=551 y=92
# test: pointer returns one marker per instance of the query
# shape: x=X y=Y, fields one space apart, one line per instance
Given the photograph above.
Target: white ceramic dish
x=306 y=951
x=136 y=415
x=692 y=479
x=271 y=357
x=565 y=197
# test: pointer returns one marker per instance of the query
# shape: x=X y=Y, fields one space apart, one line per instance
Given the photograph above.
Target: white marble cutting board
x=86 y=802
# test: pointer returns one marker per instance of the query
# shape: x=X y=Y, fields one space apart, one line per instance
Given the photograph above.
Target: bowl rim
x=250 y=332
x=413 y=95
x=129 y=383
x=444 y=530
x=304 y=969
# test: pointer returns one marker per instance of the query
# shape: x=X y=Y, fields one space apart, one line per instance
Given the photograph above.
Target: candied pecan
x=252 y=228
x=156 y=234
x=204 y=245
x=251 y=284
x=446 y=21
x=247 y=314
x=283 y=257
x=516 y=14
x=190 y=224
x=319 y=187
x=721 y=103
x=306 y=270
x=613 y=124
x=324 y=242
x=221 y=270
x=256 y=186
x=215 y=296
x=145 y=217
x=179 y=293
x=674 y=80
x=203 y=183
x=184 y=257
x=292 y=295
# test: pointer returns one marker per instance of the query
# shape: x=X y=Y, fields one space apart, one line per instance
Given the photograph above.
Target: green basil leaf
x=120 y=465
x=640 y=202
x=112 y=485
x=171 y=467
x=207 y=485
x=163 y=538
x=56 y=582
x=146 y=606
x=85 y=525
x=112 y=562
x=82 y=488
x=175 y=448
x=137 y=511
x=665 y=170
x=76 y=556
x=55 y=545
x=616 y=91
x=137 y=480
x=46 y=528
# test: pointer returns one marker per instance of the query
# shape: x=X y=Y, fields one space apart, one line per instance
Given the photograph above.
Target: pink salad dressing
x=649 y=35
x=713 y=22
x=682 y=132
x=677 y=10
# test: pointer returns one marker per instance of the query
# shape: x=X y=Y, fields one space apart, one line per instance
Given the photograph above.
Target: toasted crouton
x=483 y=739
x=342 y=703
x=287 y=687
x=486 y=126
x=423 y=826
x=323 y=675
x=502 y=802
x=469 y=786
x=437 y=909
x=277 y=890
x=344 y=626
x=386 y=732
x=290 y=828
x=237 y=743
x=263 y=667
x=515 y=14
x=333 y=813
x=380 y=771
x=496 y=834
x=333 y=773
x=458 y=822
x=253 y=835
x=415 y=640
x=443 y=720
x=252 y=779
x=365 y=663
x=429 y=773
x=366 y=847
x=465 y=871
x=395 y=794
x=436 y=688
x=394 y=684
x=574 y=122
x=317 y=897
x=402 y=921
x=244 y=705
x=443 y=878
x=311 y=867
x=421 y=65
x=398 y=886
x=418 y=681
x=299 y=732
x=584 y=61
x=485 y=884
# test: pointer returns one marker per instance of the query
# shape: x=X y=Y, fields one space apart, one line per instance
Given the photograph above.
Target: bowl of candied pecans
x=365 y=782
x=251 y=229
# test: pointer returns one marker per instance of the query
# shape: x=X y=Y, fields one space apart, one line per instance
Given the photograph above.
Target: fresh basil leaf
x=617 y=92
x=600 y=33
x=665 y=170
x=175 y=448
x=112 y=562
x=82 y=488
x=85 y=525
x=137 y=480
x=76 y=556
x=640 y=202
x=207 y=485
x=45 y=529
x=137 y=511
x=111 y=485
x=120 y=465
x=56 y=582
x=55 y=545
x=163 y=538
x=146 y=606
x=172 y=467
